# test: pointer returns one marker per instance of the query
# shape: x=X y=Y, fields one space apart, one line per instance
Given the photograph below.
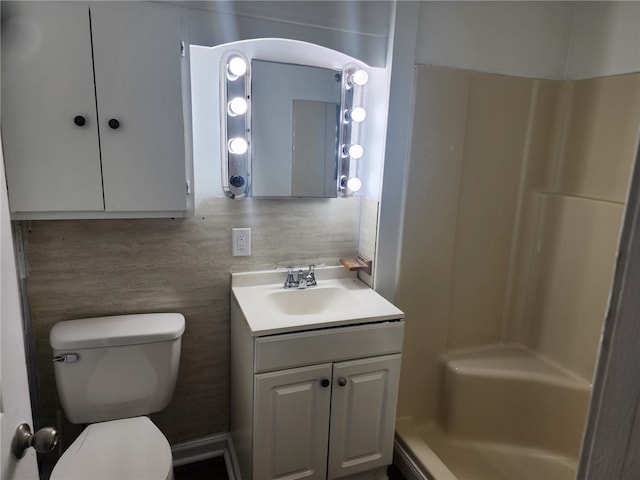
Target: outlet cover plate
x=241 y=242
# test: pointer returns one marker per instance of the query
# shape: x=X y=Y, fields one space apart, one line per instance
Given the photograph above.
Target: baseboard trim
x=406 y=465
x=233 y=468
x=221 y=445
x=204 y=448
x=200 y=449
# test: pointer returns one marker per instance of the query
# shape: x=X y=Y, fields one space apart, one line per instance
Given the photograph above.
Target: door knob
x=342 y=382
x=114 y=124
x=79 y=120
x=44 y=440
x=324 y=383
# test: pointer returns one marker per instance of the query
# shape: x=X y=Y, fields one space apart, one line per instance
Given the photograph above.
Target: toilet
x=110 y=373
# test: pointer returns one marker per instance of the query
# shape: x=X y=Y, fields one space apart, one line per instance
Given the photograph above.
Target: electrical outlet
x=241 y=241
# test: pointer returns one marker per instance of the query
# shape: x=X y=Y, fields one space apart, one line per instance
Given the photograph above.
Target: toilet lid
x=128 y=449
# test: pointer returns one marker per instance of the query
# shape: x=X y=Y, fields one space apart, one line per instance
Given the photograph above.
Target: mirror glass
x=294 y=130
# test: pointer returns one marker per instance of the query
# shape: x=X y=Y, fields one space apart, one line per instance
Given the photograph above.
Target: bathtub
x=504 y=414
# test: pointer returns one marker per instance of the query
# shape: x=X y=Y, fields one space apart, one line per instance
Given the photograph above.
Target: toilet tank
x=108 y=368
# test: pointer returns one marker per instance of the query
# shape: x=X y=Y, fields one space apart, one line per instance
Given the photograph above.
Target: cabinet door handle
x=324 y=383
x=79 y=120
x=114 y=124
x=342 y=382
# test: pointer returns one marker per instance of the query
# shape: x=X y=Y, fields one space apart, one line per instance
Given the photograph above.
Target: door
x=15 y=407
x=292 y=423
x=363 y=412
x=49 y=123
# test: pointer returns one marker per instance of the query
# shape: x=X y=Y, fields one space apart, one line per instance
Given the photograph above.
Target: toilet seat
x=127 y=449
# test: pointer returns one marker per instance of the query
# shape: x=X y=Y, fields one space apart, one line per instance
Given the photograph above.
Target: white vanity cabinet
x=314 y=404
x=95 y=109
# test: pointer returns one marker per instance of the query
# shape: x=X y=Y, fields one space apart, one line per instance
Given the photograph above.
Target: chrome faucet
x=303 y=280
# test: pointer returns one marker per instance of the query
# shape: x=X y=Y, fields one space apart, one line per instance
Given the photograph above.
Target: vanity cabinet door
x=291 y=423
x=363 y=410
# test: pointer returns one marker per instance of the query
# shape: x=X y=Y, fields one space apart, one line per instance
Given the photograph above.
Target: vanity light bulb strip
x=235 y=124
x=353 y=114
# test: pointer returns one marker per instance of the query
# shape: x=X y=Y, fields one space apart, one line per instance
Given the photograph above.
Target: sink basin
x=340 y=298
x=312 y=301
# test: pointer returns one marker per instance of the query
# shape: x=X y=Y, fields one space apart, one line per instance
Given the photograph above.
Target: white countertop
x=355 y=304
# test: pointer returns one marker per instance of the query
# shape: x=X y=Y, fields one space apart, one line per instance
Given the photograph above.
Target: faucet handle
x=290 y=282
x=311 y=277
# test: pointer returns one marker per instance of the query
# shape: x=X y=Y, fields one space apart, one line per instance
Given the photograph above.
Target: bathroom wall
x=357 y=28
x=573 y=222
x=528 y=39
x=516 y=193
x=605 y=38
x=105 y=267
x=471 y=134
x=552 y=40
x=456 y=241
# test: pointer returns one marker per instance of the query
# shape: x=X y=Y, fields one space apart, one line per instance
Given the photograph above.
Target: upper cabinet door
x=49 y=122
x=138 y=75
x=363 y=411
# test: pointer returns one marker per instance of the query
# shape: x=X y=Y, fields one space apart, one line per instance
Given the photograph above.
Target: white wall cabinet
x=95 y=111
x=317 y=404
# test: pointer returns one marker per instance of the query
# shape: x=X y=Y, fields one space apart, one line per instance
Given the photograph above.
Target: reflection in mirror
x=294 y=130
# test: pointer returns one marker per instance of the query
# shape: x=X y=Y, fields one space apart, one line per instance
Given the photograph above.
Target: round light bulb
x=358 y=114
x=356 y=151
x=238 y=146
x=237 y=106
x=237 y=66
x=354 y=184
x=359 y=78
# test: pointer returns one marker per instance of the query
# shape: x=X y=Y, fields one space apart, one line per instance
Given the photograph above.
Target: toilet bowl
x=128 y=449
x=110 y=373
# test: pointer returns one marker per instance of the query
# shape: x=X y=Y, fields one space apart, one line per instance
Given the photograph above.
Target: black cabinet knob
x=325 y=383
x=79 y=120
x=342 y=382
x=114 y=124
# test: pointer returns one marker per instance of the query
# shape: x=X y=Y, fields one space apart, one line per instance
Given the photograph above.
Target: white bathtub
x=505 y=414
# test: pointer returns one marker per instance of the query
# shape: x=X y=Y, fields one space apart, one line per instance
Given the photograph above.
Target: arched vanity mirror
x=291 y=116
x=296 y=127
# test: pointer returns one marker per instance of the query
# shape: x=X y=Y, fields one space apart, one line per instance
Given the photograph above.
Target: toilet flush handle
x=66 y=358
x=44 y=440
